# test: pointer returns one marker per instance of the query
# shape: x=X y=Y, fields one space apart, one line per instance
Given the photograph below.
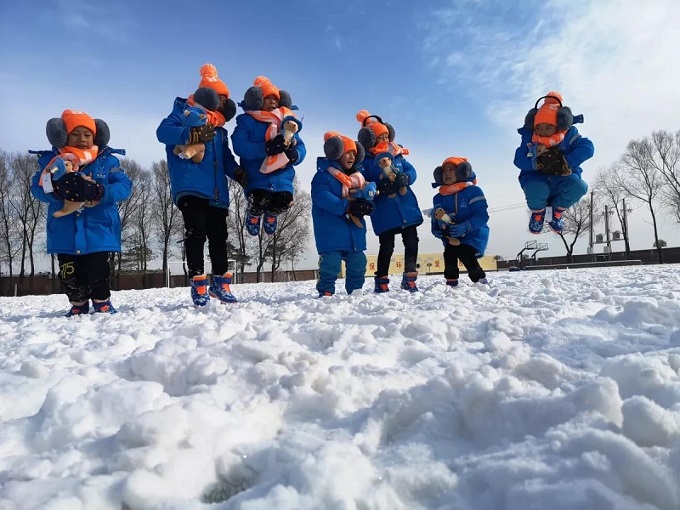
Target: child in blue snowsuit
x=338 y=236
x=396 y=206
x=549 y=158
x=463 y=228
x=200 y=189
x=83 y=239
x=268 y=153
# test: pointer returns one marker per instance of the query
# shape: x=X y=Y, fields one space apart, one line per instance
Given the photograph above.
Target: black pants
x=85 y=277
x=409 y=236
x=275 y=202
x=203 y=220
x=467 y=255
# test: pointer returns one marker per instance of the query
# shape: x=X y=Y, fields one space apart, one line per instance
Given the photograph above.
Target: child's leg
x=355 y=270
x=216 y=226
x=468 y=256
x=73 y=281
x=385 y=252
x=280 y=201
x=258 y=201
x=536 y=191
x=451 y=271
x=329 y=268
x=195 y=213
x=98 y=271
x=567 y=191
x=409 y=236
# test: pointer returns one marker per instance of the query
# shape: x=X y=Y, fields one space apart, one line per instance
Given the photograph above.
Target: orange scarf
x=450 y=189
x=215 y=119
x=84 y=156
x=274 y=118
x=390 y=147
x=549 y=141
x=349 y=182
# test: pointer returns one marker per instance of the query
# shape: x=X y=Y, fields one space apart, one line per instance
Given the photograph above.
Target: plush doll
x=366 y=193
x=194 y=116
x=289 y=126
x=444 y=221
x=74 y=187
x=391 y=174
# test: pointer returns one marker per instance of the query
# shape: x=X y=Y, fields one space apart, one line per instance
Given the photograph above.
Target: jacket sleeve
x=523 y=159
x=409 y=170
x=324 y=198
x=119 y=187
x=38 y=192
x=171 y=131
x=243 y=147
x=479 y=215
x=301 y=150
x=580 y=149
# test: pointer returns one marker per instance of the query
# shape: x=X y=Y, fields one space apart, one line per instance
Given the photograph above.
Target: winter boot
x=325 y=294
x=536 y=221
x=199 y=290
x=408 y=282
x=270 y=223
x=104 y=307
x=452 y=282
x=557 y=222
x=382 y=284
x=83 y=309
x=483 y=281
x=220 y=288
x=253 y=224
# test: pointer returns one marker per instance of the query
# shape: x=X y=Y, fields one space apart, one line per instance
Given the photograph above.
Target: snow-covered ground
x=555 y=389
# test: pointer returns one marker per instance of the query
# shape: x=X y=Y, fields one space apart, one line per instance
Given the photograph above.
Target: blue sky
x=454 y=77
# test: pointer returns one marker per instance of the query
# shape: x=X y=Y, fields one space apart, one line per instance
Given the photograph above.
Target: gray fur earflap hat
x=262 y=87
x=335 y=145
x=372 y=126
x=57 y=129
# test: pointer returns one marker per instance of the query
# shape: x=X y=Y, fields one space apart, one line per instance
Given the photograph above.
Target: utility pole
x=625 y=229
x=591 y=251
x=606 y=230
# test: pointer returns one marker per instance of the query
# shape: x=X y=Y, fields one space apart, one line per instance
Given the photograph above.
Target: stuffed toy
x=74 y=187
x=194 y=116
x=366 y=193
x=391 y=174
x=444 y=221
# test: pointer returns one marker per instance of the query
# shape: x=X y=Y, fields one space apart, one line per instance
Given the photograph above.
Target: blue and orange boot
x=408 y=282
x=253 y=224
x=220 y=288
x=557 y=222
x=536 y=221
x=83 y=309
x=199 y=290
x=271 y=222
x=382 y=284
x=104 y=307
x=452 y=282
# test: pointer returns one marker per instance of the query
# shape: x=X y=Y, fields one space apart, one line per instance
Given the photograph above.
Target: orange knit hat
x=547 y=113
x=267 y=87
x=74 y=118
x=454 y=160
x=372 y=123
x=210 y=80
x=347 y=143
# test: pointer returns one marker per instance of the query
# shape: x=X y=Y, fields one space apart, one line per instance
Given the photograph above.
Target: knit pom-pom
x=208 y=71
x=550 y=100
x=261 y=81
x=330 y=134
x=362 y=114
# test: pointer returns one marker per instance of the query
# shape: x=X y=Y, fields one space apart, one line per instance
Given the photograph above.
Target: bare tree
x=240 y=243
x=128 y=208
x=606 y=185
x=29 y=211
x=665 y=158
x=640 y=179
x=291 y=237
x=166 y=219
x=9 y=223
x=576 y=223
x=137 y=246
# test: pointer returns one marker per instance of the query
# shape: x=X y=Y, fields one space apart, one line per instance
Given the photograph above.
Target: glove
x=386 y=187
x=275 y=146
x=361 y=207
x=240 y=176
x=459 y=229
x=402 y=180
x=552 y=162
x=201 y=134
x=292 y=154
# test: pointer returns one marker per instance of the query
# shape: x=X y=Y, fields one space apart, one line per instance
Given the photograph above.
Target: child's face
x=347 y=160
x=545 y=129
x=270 y=103
x=382 y=138
x=80 y=137
x=449 y=173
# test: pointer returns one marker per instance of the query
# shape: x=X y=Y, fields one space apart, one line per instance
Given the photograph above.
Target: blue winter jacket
x=333 y=230
x=396 y=212
x=93 y=229
x=207 y=179
x=248 y=139
x=470 y=205
x=576 y=150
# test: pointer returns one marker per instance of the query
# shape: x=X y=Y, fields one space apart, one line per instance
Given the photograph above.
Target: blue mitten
x=459 y=229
